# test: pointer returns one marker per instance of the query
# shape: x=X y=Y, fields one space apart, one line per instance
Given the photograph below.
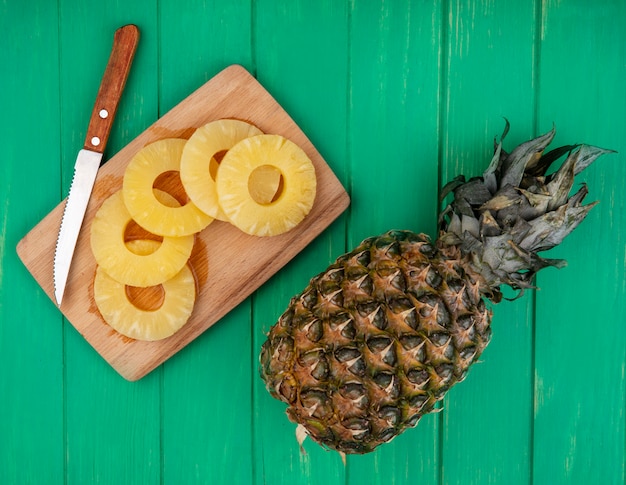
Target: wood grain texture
x=579 y=367
x=196 y=382
x=116 y=73
x=397 y=97
x=393 y=142
x=478 y=37
x=31 y=331
x=283 y=31
x=99 y=450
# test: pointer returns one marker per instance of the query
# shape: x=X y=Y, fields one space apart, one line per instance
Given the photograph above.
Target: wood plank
x=207 y=381
x=231 y=264
x=300 y=56
x=489 y=75
x=579 y=412
x=67 y=416
x=393 y=173
x=104 y=413
x=31 y=331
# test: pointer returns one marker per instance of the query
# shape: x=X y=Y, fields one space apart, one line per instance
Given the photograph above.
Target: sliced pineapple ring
x=283 y=212
x=198 y=165
x=117 y=258
x=119 y=312
x=151 y=161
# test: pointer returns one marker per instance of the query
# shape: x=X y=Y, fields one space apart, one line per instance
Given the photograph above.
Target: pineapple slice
x=198 y=165
x=133 y=321
x=146 y=166
x=238 y=171
x=117 y=258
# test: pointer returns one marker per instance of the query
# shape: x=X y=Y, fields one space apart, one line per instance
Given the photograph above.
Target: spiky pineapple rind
x=370 y=346
x=376 y=340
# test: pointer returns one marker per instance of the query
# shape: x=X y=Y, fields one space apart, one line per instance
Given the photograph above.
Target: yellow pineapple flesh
x=116 y=257
x=145 y=167
x=281 y=213
x=199 y=157
x=133 y=320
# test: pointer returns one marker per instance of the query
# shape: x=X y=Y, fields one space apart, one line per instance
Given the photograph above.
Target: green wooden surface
x=398 y=97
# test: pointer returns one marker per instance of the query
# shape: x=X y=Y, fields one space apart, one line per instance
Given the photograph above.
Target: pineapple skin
x=375 y=341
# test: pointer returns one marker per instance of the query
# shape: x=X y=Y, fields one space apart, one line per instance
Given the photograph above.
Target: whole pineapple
x=376 y=340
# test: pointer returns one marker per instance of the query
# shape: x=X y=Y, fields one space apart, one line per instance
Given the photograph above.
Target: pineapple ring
x=292 y=204
x=151 y=161
x=208 y=140
x=117 y=258
x=122 y=315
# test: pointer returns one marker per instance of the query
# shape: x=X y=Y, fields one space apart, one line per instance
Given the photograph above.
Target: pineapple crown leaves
x=502 y=219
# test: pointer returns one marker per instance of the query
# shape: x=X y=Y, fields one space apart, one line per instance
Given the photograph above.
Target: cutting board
x=228 y=264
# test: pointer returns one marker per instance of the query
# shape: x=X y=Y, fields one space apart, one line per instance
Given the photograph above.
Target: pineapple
x=198 y=165
x=129 y=318
x=116 y=257
x=377 y=340
x=151 y=162
x=253 y=171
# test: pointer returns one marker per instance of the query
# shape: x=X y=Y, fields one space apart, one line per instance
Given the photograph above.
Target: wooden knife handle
x=113 y=82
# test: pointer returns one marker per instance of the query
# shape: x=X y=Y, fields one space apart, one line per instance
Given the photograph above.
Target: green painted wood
x=207 y=405
x=31 y=332
x=489 y=74
x=292 y=42
x=398 y=97
x=579 y=411
x=393 y=142
x=112 y=426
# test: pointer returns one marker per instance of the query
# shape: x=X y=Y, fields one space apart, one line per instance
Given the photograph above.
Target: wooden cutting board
x=229 y=265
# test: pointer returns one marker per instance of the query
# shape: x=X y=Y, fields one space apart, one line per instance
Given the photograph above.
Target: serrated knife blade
x=90 y=156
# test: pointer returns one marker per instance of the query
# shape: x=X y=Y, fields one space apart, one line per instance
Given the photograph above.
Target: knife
x=88 y=160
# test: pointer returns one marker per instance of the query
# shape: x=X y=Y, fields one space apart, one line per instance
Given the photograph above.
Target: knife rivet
x=103 y=113
x=95 y=141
